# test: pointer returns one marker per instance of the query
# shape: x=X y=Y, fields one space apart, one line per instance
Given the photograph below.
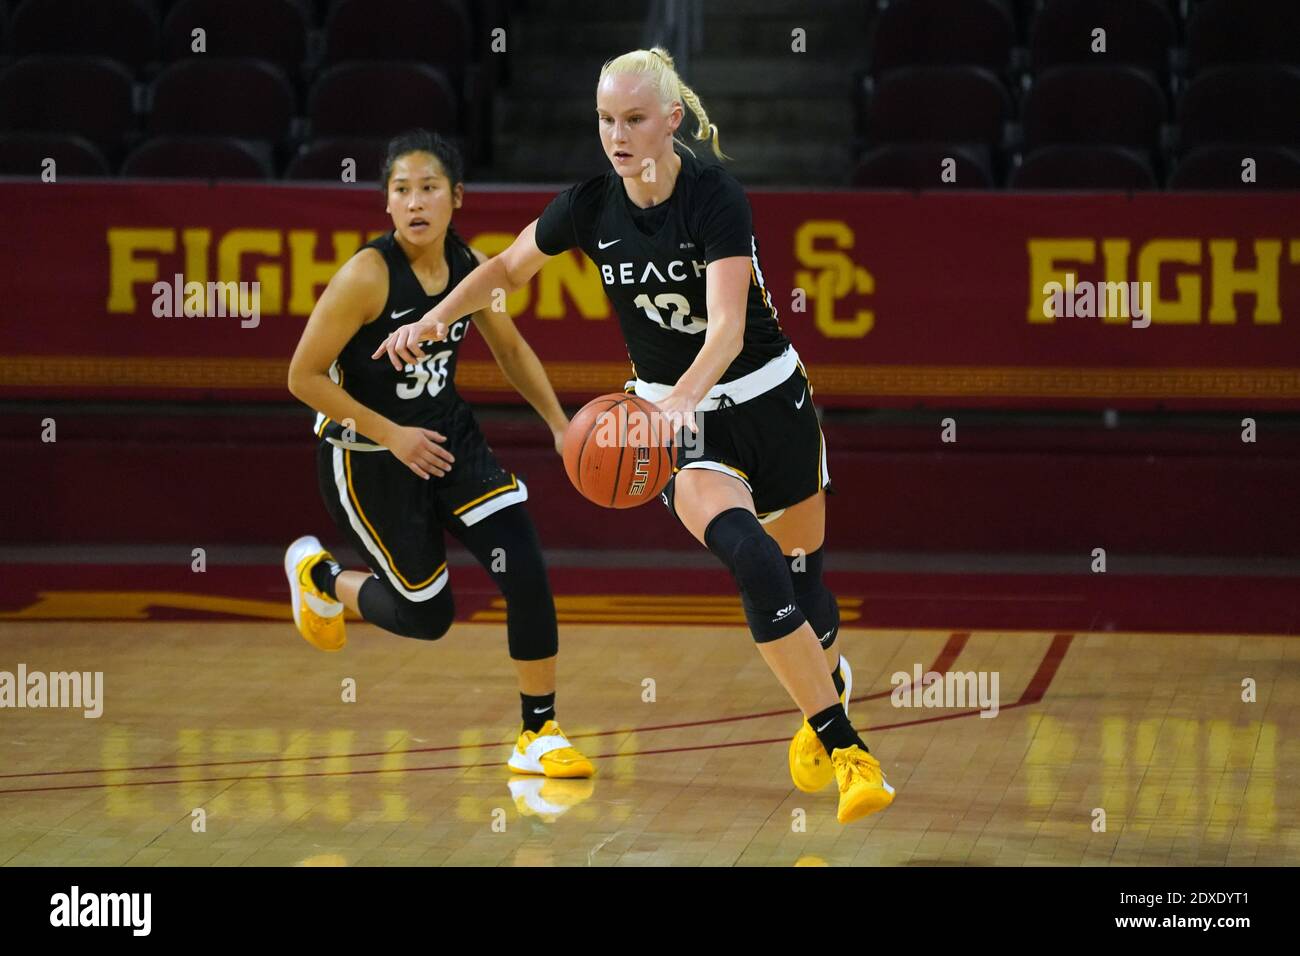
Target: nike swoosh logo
x=398 y=315
x=542 y=710
x=799 y=404
x=606 y=245
x=825 y=725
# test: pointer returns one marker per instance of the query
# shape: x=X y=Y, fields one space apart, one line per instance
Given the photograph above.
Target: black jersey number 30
x=430 y=374
x=681 y=319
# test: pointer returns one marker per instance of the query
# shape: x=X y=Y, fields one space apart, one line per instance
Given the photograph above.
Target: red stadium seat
x=957 y=104
x=23 y=154
x=280 y=36
x=942 y=32
x=1138 y=33
x=1120 y=105
x=89 y=96
x=125 y=30
x=196 y=96
x=1229 y=31
x=426 y=31
x=323 y=160
x=198 y=157
x=380 y=100
x=1236 y=104
x=920 y=166
x=1219 y=167
x=1084 y=167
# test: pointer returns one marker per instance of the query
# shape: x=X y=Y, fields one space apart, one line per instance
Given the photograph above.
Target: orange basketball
x=618 y=452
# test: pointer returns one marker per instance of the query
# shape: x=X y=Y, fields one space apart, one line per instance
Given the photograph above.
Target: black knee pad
x=531 y=631
x=756 y=562
x=814 y=598
x=423 y=620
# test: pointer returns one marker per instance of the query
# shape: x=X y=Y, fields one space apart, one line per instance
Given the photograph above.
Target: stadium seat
x=1229 y=31
x=1138 y=33
x=958 y=104
x=920 y=166
x=198 y=157
x=1219 y=167
x=323 y=159
x=194 y=97
x=23 y=154
x=280 y=36
x=88 y=96
x=1235 y=104
x=1120 y=105
x=380 y=100
x=942 y=32
x=435 y=32
x=1084 y=167
x=124 y=30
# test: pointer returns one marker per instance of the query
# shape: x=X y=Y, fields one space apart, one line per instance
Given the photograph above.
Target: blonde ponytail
x=657 y=63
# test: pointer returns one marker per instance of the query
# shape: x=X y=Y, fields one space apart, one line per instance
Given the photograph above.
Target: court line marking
x=1034 y=692
x=943 y=660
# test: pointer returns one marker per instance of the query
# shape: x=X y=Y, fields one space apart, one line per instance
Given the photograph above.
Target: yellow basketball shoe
x=319 y=618
x=810 y=765
x=549 y=753
x=863 y=789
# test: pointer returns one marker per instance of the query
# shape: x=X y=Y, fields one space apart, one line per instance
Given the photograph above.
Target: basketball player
x=674 y=243
x=401 y=458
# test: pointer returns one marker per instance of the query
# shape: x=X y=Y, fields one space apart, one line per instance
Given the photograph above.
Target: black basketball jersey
x=655 y=274
x=421 y=395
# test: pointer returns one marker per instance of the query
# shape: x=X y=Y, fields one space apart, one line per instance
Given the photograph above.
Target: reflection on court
x=230 y=743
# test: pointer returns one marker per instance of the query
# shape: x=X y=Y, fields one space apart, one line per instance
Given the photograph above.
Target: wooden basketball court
x=247 y=723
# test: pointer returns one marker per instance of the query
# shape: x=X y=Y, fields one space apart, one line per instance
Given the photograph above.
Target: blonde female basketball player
x=401 y=458
x=675 y=247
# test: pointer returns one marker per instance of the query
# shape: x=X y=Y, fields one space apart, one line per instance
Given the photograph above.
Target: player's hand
x=558 y=435
x=403 y=343
x=678 y=411
x=419 y=449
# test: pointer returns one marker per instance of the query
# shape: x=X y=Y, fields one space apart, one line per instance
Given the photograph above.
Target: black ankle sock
x=834 y=730
x=323 y=575
x=531 y=705
x=837 y=676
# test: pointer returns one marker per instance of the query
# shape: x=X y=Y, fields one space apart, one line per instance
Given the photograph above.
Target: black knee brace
x=427 y=620
x=815 y=600
x=756 y=562
x=507 y=546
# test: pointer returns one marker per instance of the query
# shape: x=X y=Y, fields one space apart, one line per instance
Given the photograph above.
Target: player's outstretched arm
x=506 y=272
x=355 y=295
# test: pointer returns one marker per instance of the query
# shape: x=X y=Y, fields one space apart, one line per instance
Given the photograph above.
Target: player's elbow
x=297 y=381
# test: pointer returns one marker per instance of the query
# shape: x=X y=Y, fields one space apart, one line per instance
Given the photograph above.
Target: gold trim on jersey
x=514 y=483
x=356 y=503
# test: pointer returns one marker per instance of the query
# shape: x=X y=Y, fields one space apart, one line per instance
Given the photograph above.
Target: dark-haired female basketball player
x=401 y=458
x=675 y=247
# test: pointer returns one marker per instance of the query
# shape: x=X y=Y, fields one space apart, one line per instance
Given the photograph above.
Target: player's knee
x=428 y=620
x=756 y=562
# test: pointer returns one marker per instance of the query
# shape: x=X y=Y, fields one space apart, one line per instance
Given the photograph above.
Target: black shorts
x=773 y=443
x=395 y=519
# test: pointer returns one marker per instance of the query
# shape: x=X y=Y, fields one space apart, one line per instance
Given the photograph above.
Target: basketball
x=617 y=451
